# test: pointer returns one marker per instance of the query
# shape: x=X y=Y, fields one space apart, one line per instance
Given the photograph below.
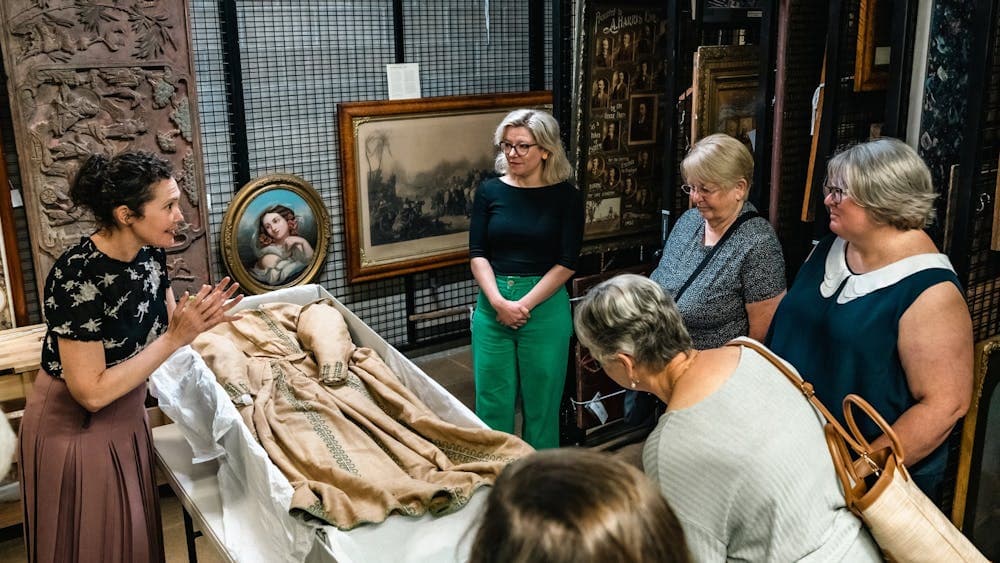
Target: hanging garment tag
x=596 y=407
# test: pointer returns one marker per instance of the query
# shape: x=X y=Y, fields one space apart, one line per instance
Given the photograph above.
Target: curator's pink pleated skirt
x=87 y=479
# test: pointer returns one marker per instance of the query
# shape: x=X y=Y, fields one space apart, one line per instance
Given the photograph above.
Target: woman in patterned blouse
x=741 y=285
x=86 y=452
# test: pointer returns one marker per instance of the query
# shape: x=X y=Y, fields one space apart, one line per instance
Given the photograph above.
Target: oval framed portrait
x=275 y=233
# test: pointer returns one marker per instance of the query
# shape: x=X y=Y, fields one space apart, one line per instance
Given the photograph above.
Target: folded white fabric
x=255 y=495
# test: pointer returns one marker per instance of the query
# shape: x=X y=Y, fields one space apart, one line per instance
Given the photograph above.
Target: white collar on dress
x=859 y=285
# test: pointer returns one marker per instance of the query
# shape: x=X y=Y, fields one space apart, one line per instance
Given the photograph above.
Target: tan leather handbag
x=907 y=526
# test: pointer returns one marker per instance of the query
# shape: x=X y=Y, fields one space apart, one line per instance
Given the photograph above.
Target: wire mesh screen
x=208 y=53
x=298 y=60
x=983 y=289
x=462 y=51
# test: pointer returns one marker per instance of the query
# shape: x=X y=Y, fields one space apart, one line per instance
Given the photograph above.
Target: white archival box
x=254 y=495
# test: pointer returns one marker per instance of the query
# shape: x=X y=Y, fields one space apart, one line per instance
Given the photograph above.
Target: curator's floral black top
x=91 y=296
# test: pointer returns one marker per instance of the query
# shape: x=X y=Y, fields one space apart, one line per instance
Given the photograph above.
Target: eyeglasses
x=520 y=148
x=700 y=190
x=836 y=194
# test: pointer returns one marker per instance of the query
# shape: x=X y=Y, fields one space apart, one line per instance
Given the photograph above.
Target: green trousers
x=531 y=361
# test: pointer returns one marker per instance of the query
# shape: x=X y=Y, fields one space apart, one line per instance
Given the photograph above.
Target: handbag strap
x=704 y=261
x=806 y=389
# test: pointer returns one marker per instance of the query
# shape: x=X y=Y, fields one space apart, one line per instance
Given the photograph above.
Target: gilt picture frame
x=725 y=92
x=275 y=234
x=977 y=485
x=874 y=45
x=410 y=169
x=7 y=319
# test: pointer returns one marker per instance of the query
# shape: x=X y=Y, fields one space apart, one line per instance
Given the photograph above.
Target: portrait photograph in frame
x=275 y=233
x=410 y=169
x=725 y=92
x=642 y=123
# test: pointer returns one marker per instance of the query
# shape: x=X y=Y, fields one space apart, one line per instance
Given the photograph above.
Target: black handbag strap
x=704 y=261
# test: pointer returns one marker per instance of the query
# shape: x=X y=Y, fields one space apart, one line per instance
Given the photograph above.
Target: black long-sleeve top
x=526 y=231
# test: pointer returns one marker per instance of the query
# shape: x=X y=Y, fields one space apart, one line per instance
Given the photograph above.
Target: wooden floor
x=12 y=543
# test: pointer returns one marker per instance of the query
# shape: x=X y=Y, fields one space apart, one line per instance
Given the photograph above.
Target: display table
x=240 y=498
x=20 y=355
x=196 y=487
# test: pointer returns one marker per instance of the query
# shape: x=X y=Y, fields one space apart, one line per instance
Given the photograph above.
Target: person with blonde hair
x=740 y=454
x=722 y=262
x=737 y=290
x=524 y=239
x=876 y=310
x=576 y=506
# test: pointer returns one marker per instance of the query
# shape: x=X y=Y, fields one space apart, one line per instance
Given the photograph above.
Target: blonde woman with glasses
x=722 y=263
x=876 y=309
x=524 y=240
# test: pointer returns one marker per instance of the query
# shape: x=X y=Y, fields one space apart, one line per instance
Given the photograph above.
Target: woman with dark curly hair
x=86 y=454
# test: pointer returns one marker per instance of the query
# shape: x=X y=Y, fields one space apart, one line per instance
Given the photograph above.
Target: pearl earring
x=633 y=383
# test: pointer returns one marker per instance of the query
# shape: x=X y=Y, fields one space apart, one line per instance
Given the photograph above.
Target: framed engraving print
x=410 y=170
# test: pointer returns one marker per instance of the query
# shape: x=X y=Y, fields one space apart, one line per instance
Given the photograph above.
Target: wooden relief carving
x=90 y=76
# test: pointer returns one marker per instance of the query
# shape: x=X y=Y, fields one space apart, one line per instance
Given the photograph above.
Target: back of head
x=103 y=184
x=576 y=506
x=889 y=179
x=719 y=159
x=633 y=315
x=545 y=129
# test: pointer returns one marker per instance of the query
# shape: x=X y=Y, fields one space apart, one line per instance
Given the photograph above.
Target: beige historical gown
x=355 y=444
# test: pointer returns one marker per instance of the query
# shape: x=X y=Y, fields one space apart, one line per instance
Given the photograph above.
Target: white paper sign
x=882 y=55
x=404 y=80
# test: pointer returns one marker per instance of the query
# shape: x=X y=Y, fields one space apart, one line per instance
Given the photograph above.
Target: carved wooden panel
x=91 y=76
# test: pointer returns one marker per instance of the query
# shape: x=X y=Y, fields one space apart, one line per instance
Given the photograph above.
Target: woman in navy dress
x=876 y=310
x=86 y=452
